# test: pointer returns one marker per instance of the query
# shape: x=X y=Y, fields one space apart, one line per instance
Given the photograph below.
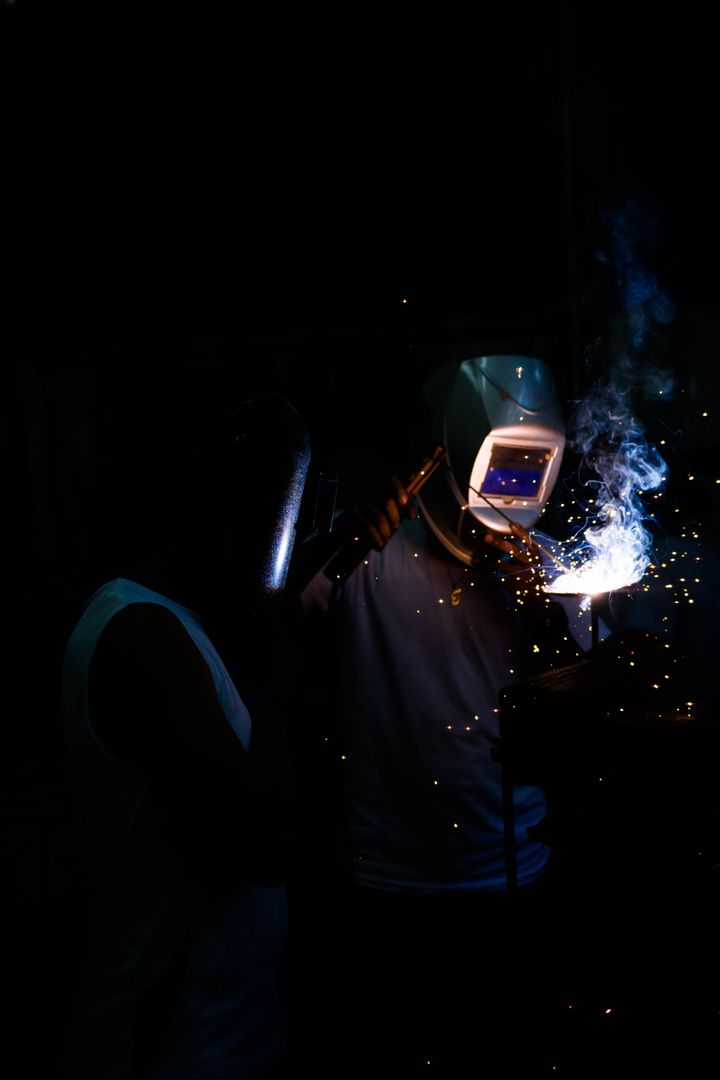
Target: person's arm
x=153 y=701
x=369 y=523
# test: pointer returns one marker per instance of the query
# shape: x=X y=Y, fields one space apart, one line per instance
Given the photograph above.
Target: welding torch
x=357 y=546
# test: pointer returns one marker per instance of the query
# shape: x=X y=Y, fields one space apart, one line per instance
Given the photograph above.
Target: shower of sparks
x=618 y=559
x=615 y=548
x=618 y=464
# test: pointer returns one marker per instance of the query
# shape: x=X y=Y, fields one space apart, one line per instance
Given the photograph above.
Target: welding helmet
x=265 y=463
x=500 y=421
x=209 y=490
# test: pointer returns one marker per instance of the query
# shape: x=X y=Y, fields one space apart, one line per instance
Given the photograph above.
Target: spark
x=619 y=560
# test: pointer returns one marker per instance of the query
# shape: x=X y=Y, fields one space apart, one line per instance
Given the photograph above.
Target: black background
x=325 y=206
x=322 y=203
x=195 y=178
x=203 y=203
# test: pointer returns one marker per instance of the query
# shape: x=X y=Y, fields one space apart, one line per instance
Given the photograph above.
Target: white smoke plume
x=619 y=467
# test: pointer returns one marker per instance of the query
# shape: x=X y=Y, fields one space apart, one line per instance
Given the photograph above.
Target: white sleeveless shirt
x=227 y=1021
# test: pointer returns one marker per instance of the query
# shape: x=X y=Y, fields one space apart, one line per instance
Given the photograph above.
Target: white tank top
x=227 y=1022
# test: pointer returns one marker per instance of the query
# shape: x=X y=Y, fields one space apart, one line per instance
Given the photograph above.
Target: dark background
x=329 y=207
x=325 y=205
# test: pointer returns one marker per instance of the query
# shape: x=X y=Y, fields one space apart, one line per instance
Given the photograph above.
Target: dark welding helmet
x=202 y=486
x=266 y=461
x=500 y=421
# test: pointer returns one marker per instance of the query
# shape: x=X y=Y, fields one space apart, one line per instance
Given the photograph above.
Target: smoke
x=619 y=468
x=633 y=233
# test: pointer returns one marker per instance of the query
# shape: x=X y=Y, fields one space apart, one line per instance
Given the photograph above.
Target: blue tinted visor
x=516 y=471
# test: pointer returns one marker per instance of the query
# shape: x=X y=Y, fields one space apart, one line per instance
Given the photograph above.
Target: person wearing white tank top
x=179 y=766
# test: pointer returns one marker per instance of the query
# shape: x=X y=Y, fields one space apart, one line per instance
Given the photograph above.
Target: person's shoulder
x=145 y=619
x=151 y=689
x=148 y=632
